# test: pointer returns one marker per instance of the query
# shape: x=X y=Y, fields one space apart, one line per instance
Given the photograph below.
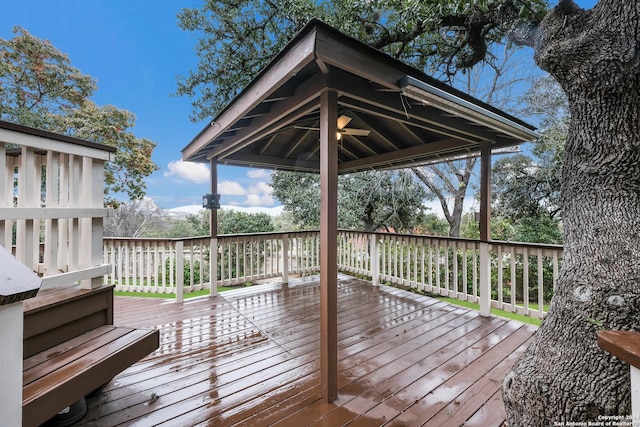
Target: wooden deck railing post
x=485 y=280
x=179 y=271
x=285 y=259
x=374 y=259
x=213 y=267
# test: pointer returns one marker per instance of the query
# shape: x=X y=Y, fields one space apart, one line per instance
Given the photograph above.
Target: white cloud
x=259 y=200
x=261 y=187
x=259 y=194
x=194 y=172
x=231 y=188
x=258 y=173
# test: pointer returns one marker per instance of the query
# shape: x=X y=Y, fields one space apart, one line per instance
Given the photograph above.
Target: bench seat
x=72 y=348
x=61 y=375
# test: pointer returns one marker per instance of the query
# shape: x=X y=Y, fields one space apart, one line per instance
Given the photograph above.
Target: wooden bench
x=71 y=348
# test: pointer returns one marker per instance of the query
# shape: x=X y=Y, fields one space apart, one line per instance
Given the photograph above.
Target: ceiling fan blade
x=343 y=121
x=355 y=132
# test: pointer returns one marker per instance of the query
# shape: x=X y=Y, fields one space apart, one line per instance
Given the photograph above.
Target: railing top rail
x=461 y=239
x=54 y=136
x=153 y=239
x=193 y=238
x=281 y=233
x=527 y=245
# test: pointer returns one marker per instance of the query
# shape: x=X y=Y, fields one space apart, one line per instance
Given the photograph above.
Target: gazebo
x=332 y=105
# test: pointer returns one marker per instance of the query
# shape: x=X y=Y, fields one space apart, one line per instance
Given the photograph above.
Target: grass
x=467 y=304
x=168 y=296
x=494 y=311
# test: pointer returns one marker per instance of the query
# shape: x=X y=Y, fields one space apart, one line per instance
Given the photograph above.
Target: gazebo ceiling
x=391 y=114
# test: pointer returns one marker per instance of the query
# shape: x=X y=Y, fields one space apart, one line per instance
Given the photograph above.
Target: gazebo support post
x=328 y=246
x=213 y=233
x=485 y=229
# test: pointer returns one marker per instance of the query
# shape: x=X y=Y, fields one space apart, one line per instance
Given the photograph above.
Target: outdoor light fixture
x=439 y=98
x=211 y=201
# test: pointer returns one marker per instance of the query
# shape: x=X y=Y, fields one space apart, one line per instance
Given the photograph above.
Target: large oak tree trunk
x=564 y=376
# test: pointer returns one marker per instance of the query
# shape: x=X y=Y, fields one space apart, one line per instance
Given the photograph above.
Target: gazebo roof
x=408 y=117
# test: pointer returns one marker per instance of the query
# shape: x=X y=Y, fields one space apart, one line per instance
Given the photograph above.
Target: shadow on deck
x=250 y=357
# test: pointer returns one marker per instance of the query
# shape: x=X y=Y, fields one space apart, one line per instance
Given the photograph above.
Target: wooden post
x=180 y=271
x=213 y=233
x=285 y=259
x=374 y=259
x=485 y=192
x=90 y=230
x=485 y=229
x=328 y=246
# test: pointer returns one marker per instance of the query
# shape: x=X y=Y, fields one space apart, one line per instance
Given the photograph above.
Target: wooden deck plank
x=372 y=392
x=431 y=403
x=250 y=357
x=468 y=402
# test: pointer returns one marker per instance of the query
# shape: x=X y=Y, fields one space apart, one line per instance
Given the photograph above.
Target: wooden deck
x=250 y=357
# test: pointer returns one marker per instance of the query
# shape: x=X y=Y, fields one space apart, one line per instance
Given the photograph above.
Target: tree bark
x=564 y=376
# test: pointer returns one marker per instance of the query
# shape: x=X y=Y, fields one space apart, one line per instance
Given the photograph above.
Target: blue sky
x=135 y=50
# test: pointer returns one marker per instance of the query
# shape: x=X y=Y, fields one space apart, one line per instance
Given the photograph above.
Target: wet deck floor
x=251 y=358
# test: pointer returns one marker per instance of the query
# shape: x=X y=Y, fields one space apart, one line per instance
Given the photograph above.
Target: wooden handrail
x=625 y=345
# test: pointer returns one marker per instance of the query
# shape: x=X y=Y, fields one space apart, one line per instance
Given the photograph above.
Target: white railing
x=522 y=276
x=152 y=265
x=51 y=204
x=51 y=211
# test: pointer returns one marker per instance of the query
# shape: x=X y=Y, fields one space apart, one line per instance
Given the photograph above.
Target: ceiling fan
x=342 y=130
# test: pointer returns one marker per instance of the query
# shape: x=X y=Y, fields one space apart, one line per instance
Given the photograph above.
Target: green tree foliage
x=366 y=201
x=299 y=193
x=433 y=225
x=234 y=222
x=528 y=230
x=229 y=222
x=40 y=88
